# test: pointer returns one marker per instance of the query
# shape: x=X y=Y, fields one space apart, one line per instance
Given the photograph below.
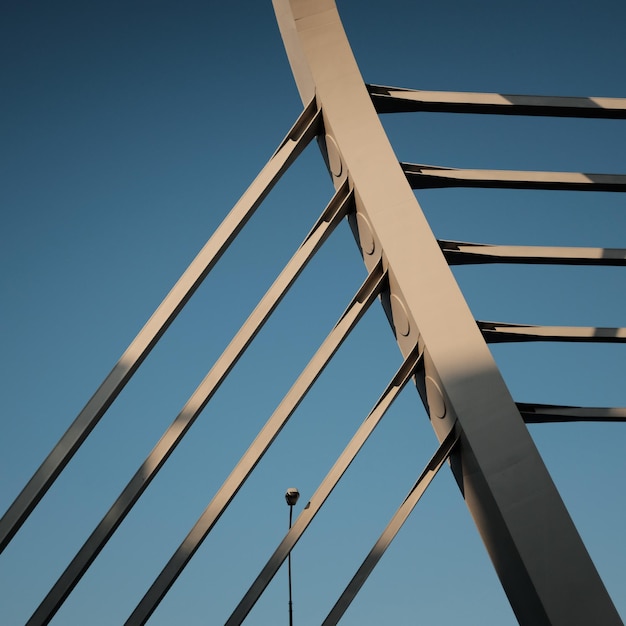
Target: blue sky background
x=128 y=131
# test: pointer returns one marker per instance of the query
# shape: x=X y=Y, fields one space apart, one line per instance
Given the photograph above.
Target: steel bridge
x=484 y=441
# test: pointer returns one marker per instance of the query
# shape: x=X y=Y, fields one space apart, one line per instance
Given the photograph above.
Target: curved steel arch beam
x=542 y=563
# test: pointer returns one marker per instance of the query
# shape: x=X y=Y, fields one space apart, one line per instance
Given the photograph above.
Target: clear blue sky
x=128 y=131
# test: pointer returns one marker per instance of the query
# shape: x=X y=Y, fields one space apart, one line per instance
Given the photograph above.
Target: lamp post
x=291 y=496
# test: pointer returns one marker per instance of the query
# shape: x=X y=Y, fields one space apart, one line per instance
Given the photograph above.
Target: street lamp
x=291 y=496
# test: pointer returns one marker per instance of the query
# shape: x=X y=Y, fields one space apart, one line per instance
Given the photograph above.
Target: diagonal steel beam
x=392 y=529
x=368 y=292
x=325 y=488
x=540 y=559
x=305 y=128
x=399 y=100
x=332 y=215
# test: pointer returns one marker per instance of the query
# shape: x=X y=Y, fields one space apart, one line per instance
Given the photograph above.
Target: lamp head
x=292 y=495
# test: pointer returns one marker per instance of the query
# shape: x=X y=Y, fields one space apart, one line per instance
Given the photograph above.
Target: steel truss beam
x=549 y=413
x=398 y=100
x=392 y=529
x=464 y=253
x=301 y=133
x=434 y=177
x=500 y=332
x=368 y=292
x=332 y=215
x=536 y=550
x=325 y=488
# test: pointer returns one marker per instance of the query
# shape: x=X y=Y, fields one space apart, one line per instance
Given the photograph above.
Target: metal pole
x=291 y=496
x=289 y=572
x=402 y=376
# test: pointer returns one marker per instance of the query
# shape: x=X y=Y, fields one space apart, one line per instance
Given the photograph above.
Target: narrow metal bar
x=331 y=216
x=434 y=177
x=305 y=128
x=499 y=332
x=550 y=413
x=325 y=488
x=465 y=253
x=399 y=100
x=289 y=572
x=392 y=529
x=359 y=305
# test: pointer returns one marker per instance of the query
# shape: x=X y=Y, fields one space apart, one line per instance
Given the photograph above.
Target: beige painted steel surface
x=496 y=332
x=542 y=413
x=536 y=550
x=431 y=176
x=397 y=100
x=461 y=252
